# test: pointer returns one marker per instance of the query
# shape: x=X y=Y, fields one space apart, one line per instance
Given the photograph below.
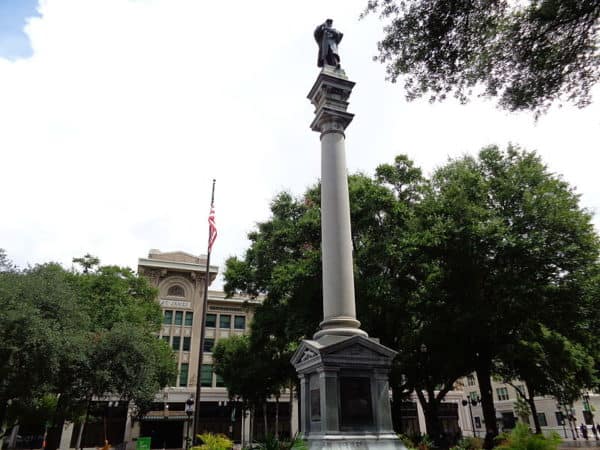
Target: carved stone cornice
x=329 y=95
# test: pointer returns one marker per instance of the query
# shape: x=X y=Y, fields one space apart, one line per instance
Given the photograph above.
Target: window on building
x=560 y=418
x=176 y=343
x=470 y=380
x=520 y=388
x=206 y=375
x=186 y=344
x=477 y=422
x=220 y=382
x=189 y=319
x=474 y=396
x=168 y=317
x=178 y=317
x=239 y=323
x=542 y=419
x=211 y=320
x=176 y=291
x=209 y=343
x=502 y=393
x=166 y=339
x=224 y=321
x=183 y=375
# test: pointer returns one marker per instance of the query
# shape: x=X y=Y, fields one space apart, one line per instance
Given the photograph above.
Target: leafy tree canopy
x=529 y=54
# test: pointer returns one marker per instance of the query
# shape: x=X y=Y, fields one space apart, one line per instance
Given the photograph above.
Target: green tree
x=549 y=364
x=513 y=246
x=71 y=336
x=284 y=263
x=528 y=54
x=40 y=329
x=245 y=374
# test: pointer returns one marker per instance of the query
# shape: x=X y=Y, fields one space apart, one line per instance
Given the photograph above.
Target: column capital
x=329 y=95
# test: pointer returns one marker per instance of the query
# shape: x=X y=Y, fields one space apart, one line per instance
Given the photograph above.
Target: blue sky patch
x=14 y=43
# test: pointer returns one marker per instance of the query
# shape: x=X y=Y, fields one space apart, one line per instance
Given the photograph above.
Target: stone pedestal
x=344 y=393
x=344 y=390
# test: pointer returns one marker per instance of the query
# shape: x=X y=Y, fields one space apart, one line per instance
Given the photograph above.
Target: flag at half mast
x=212 y=228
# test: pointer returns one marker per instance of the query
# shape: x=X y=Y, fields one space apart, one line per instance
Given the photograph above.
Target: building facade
x=552 y=416
x=180 y=280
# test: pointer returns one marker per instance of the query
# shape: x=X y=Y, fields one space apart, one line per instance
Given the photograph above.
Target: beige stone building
x=180 y=279
x=550 y=416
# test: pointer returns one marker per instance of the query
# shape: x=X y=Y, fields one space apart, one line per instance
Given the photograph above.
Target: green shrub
x=407 y=442
x=521 y=438
x=272 y=443
x=214 y=442
x=469 y=443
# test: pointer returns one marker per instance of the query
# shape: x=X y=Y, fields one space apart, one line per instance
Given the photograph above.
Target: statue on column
x=328 y=39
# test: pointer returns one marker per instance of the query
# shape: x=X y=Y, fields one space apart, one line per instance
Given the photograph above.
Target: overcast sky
x=116 y=115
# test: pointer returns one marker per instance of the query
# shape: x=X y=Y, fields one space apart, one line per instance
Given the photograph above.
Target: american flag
x=212 y=228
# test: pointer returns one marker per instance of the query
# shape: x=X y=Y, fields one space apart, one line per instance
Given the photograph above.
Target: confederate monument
x=343 y=373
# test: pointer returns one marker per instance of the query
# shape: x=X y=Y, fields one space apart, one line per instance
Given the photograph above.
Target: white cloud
x=111 y=133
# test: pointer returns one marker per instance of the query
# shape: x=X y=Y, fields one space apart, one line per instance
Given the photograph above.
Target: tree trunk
x=243 y=419
x=484 y=374
x=432 y=418
x=277 y=416
x=79 y=436
x=533 y=408
x=266 y=430
x=396 y=409
x=81 y=430
x=3 y=412
x=251 y=420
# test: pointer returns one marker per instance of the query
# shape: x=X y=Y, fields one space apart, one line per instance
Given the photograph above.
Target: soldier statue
x=328 y=39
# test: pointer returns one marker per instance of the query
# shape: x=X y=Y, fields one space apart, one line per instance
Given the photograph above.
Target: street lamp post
x=472 y=402
x=189 y=410
x=562 y=418
x=586 y=401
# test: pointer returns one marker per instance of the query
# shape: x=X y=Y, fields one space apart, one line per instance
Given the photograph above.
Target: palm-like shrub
x=521 y=438
x=214 y=442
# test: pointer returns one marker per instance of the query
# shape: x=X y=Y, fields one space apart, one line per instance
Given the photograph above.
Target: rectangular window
x=542 y=419
x=474 y=395
x=470 y=380
x=189 y=319
x=183 y=375
x=477 y=422
x=220 y=382
x=166 y=339
x=209 y=343
x=502 y=393
x=178 y=317
x=176 y=343
x=211 y=320
x=560 y=419
x=186 y=344
x=239 y=323
x=206 y=375
x=224 y=321
x=168 y=317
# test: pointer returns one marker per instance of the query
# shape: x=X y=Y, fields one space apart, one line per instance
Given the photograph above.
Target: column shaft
x=338 y=277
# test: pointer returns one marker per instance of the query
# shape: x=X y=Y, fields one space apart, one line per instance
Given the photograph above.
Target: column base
x=340 y=326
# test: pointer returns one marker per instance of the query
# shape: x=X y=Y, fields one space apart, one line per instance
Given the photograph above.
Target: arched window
x=176 y=291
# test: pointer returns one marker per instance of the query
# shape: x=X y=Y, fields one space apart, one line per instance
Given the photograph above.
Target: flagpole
x=203 y=325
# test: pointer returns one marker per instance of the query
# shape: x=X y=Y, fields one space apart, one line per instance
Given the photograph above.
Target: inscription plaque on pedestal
x=315 y=405
x=355 y=402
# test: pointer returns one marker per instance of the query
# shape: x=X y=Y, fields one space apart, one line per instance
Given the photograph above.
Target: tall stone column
x=344 y=390
x=329 y=95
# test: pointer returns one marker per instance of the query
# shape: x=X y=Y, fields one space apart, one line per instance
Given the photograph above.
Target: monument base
x=344 y=390
x=355 y=442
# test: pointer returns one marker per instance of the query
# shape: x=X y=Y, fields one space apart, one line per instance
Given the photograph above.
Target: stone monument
x=343 y=373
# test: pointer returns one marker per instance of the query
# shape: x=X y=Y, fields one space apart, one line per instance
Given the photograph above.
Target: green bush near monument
x=521 y=438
